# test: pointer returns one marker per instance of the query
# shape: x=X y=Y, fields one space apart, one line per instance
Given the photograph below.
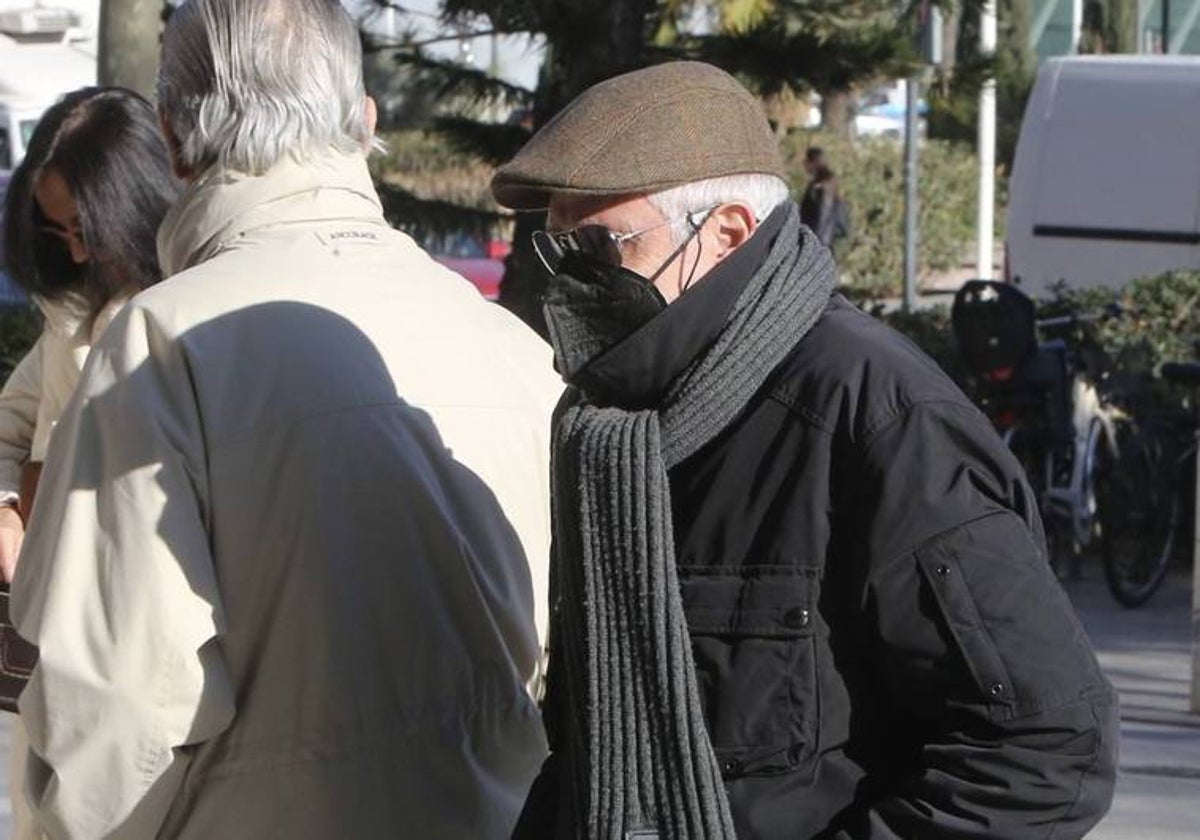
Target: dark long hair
x=105 y=144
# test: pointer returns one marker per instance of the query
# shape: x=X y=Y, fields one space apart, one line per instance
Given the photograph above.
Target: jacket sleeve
x=118 y=590
x=1001 y=724
x=18 y=418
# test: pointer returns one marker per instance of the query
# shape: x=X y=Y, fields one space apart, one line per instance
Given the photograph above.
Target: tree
x=130 y=33
x=586 y=41
x=830 y=46
x=954 y=99
x=781 y=48
x=1109 y=26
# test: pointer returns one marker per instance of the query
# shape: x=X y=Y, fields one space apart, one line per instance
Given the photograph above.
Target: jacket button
x=996 y=689
x=943 y=570
x=731 y=766
x=796 y=618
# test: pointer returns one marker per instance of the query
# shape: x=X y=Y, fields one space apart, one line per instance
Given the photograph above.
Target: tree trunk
x=583 y=48
x=951 y=21
x=130 y=32
x=1122 y=26
x=837 y=112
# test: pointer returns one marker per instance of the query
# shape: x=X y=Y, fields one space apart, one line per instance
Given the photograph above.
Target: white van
x=17 y=121
x=1105 y=186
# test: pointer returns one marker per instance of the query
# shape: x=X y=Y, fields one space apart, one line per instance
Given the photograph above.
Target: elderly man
x=279 y=571
x=799 y=585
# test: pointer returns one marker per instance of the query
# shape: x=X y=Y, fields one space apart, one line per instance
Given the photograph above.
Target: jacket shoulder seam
x=903 y=408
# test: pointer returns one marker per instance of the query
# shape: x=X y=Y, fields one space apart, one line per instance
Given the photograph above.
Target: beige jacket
x=39 y=387
x=280 y=568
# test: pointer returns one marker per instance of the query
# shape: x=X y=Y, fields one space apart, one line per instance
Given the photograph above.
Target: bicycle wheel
x=1138 y=513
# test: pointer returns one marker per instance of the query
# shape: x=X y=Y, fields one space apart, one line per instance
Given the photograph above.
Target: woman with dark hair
x=80 y=223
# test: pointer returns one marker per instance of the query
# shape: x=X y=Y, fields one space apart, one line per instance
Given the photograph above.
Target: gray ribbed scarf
x=637 y=754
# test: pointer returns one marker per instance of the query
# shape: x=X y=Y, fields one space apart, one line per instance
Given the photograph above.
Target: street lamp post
x=987 y=149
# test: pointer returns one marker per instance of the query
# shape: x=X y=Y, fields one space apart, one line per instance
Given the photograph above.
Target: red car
x=484 y=267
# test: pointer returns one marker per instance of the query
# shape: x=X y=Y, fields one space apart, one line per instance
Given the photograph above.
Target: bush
x=871 y=177
x=1158 y=321
x=19 y=329
x=1155 y=320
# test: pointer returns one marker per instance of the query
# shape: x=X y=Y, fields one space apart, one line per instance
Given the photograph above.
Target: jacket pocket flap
x=762 y=602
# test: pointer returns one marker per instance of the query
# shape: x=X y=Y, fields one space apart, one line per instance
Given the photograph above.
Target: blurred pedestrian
x=279 y=570
x=822 y=207
x=80 y=222
x=800 y=585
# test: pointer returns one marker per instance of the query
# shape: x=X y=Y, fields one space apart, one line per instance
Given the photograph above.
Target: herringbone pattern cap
x=643 y=132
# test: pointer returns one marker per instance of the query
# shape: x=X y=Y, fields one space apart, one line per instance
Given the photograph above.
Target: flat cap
x=643 y=132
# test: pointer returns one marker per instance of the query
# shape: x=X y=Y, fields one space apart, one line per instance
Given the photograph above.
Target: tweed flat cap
x=643 y=132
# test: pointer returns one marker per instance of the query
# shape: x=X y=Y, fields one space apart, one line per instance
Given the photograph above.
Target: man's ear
x=731 y=225
x=182 y=172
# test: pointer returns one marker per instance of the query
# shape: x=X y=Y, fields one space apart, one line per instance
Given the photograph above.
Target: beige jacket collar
x=223 y=204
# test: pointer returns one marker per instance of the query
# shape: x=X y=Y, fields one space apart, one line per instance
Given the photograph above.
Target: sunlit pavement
x=1146 y=652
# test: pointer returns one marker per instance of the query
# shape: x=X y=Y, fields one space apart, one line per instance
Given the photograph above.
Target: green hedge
x=870 y=173
x=19 y=329
x=1155 y=320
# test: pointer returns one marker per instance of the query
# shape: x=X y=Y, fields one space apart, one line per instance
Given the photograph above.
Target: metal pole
x=911 y=89
x=987 y=150
x=1166 y=26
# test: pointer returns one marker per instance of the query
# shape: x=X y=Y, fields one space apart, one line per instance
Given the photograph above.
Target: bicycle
x=1046 y=407
x=1146 y=493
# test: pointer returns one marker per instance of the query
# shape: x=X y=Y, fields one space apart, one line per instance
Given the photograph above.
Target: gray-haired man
x=280 y=573
x=799 y=584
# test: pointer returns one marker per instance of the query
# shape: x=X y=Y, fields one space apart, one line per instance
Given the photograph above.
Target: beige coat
x=279 y=568
x=39 y=387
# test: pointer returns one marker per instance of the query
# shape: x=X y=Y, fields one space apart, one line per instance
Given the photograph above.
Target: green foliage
x=1124 y=336
x=954 y=100
x=20 y=327
x=871 y=178
x=1159 y=321
x=430 y=189
x=807 y=44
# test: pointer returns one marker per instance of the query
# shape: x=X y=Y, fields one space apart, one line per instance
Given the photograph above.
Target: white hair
x=244 y=82
x=762 y=193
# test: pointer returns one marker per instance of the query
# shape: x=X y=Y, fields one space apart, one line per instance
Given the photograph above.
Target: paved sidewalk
x=1146 y=652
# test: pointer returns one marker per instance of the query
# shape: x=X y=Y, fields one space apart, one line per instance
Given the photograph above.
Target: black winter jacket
x=881 y=647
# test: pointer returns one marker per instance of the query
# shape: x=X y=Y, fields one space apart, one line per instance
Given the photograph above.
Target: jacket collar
x=637 y=372
x=223 y=204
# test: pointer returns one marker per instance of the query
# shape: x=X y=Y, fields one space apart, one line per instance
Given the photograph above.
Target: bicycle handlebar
x=1113 y=310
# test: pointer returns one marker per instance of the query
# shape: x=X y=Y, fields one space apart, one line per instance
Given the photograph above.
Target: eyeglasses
x=597 y=241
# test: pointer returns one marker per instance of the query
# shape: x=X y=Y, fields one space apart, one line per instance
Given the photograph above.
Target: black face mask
x=591 y=306
x=57 y=271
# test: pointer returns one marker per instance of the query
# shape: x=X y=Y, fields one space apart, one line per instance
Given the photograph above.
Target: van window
x=1107 y=184
x=27 y=129
x=6 y=161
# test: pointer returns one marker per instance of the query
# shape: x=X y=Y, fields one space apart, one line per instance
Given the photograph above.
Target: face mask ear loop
x=695 y=226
